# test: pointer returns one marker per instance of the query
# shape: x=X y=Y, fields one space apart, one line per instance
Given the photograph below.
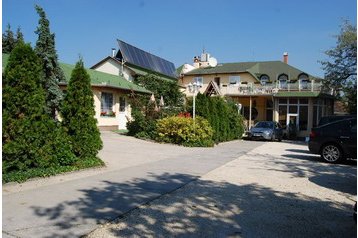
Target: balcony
x=271 y=89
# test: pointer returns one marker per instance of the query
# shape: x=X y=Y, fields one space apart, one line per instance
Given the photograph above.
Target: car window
x=354 y=126
x=340 y=127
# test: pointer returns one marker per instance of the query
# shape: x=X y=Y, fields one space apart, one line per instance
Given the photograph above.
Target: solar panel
x=146 y=60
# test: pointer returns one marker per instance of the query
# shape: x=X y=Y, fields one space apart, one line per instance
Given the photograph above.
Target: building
x=267 y=90
x=129 y=62
x=110 y=95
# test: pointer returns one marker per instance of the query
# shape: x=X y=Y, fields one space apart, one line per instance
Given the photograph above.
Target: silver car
x=267 y=130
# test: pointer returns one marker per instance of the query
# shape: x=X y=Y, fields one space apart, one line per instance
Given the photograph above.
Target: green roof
x=273 y=69
x=303 y=94
x=97 y=78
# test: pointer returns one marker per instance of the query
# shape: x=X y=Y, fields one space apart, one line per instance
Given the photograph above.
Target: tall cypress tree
x=45 y=49
x=78 y=114
x=31 y=139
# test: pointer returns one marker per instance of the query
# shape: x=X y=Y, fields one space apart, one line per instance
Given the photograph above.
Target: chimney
x=113 y=52
x=285 y=57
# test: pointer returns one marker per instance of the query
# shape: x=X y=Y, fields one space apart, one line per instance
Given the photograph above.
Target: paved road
x=137 y=172
x=276 y=190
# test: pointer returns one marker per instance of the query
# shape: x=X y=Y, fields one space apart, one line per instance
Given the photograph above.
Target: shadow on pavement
x=200 y=209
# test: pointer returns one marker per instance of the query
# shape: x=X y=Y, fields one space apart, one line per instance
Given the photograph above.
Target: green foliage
x=341 y=69
x=169 y=90
x=45 y=49
x=78 y=114
x=145 y=112
x=31 y=139
x=222 y=116
x=183 y=131
x=9 y=41
x=21 y=176
x=143 y=124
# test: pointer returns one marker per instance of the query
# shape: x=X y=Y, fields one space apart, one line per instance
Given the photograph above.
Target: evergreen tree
x=78 y=114
x=31 y=139
x=19 y=36
x=45 y=49
x=8 y=40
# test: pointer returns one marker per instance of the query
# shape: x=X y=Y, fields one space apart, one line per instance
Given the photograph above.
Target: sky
x=178 y=30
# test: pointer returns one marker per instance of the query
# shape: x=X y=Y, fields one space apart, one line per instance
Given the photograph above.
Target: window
x=269 y=111
x=264 y=79
x=303 y=119
x=106 y=102
x=282 y=116
x=122 y=104
x=234 y=80
x=198 y=80
x=282 y=79
x=303 y=79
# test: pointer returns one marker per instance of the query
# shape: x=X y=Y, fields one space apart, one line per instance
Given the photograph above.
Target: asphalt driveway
x=275 y=190
x=236 y=189
x=137 y=172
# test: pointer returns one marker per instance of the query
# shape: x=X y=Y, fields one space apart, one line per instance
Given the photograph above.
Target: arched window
x=282 y=80
x=264 y=79
x=303 y=81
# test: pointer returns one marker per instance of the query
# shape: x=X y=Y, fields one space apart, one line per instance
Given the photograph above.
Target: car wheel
x=331 y=153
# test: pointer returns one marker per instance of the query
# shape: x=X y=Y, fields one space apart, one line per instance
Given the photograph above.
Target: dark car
x=329 y=119
x=335 y=141
x=267 y=130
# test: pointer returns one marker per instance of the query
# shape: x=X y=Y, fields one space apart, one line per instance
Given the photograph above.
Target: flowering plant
x=184 y=114
x=108 y=114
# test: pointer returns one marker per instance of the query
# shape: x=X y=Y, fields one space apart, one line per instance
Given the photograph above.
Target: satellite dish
x=213 y=62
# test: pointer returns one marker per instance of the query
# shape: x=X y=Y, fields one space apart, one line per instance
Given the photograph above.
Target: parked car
x=267 y=130
x=329 y=119
x=335 y=141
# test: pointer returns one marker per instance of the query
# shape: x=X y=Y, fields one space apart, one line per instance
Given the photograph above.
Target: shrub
x=222 y=115
x=183 y=131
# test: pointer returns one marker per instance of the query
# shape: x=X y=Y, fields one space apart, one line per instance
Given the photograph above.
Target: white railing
x=270 y=89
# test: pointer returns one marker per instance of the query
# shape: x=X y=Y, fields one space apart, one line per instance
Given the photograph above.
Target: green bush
x=183 y=131
x=222 y=115
x=30 y=138
x=78 y=113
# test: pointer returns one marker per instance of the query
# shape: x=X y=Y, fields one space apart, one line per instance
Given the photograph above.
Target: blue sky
x=177 y=30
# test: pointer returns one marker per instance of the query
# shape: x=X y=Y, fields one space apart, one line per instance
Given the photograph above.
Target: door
x=122 y=123
x=292 y=125
x=217 y=81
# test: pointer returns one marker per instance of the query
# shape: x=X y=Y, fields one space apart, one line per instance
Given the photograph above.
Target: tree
x=31 y=139
x=9 y=41
x=341 y=69
x=45 y=49
x=78 y=114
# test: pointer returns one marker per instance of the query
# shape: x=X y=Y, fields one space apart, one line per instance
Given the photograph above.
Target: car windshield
x=264 y=124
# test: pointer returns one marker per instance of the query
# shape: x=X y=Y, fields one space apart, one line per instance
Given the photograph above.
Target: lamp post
x=194 y=89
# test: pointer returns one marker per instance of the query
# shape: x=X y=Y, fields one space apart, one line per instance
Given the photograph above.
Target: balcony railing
x=271 y=89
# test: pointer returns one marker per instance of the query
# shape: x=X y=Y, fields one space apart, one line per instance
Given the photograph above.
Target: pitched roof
x=97 y=78
x=270 y=68
x=145 y=60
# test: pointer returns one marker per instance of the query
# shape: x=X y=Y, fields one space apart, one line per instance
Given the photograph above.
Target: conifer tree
x=78 y=114
x=31 y=139
x=45 y=49
x=8 y=40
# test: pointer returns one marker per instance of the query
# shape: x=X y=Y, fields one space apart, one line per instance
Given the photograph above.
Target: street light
x=194 y=89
